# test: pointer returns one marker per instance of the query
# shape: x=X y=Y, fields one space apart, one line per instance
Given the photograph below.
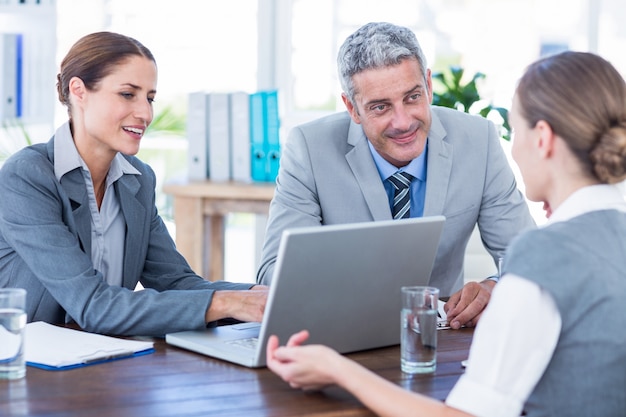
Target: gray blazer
x=45 y=247
x=328 y=176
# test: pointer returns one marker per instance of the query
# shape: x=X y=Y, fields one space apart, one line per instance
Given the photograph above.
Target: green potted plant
x=13 y=137
x=449 y=91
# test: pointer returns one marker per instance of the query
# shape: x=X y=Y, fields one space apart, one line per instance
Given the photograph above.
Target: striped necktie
x=401 y=198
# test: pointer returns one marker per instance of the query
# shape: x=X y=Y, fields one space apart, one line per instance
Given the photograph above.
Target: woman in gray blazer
x=78 y=223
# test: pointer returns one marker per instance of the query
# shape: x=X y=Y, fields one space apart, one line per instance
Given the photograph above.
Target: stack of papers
x=56 y=348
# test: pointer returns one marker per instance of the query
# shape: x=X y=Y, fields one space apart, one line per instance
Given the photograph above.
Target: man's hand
x=465 y=307
x=241 y=305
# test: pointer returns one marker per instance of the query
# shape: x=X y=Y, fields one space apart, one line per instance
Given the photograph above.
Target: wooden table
x=200 y=209
x=175 y=382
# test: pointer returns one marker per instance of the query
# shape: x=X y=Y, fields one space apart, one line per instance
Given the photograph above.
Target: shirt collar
x=67 y=158
x=588 y=199
x=416 y=167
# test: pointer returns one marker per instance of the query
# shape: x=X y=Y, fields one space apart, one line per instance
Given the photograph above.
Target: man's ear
x=429 y=85
x=77 y=88
x=545 y=139
x=354 y=113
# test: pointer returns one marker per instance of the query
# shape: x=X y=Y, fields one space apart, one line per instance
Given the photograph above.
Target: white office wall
x=198 y=45
x=213 y=44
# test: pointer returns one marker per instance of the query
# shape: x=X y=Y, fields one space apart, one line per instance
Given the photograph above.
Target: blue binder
x=257 y=137
x=272 y=135
x=264 y=135
x=18 y=79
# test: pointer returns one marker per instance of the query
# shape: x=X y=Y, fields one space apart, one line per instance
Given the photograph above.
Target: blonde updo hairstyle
x=95 y=56
x=583 y=99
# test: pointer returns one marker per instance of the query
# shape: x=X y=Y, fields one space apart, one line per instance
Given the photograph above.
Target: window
x=215 y=46
x=498 y=38
x=198 y=45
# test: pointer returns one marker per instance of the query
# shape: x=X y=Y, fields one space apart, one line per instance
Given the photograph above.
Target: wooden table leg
x=214 y=247
x=200 y=210
x=188 y=218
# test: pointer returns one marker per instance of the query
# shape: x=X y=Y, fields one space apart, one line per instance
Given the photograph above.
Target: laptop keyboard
x=248 y=343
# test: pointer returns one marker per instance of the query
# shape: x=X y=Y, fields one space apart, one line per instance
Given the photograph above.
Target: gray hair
x=376 y=45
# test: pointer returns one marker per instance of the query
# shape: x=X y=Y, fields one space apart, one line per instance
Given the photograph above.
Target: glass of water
x=12 y=325
x=418 y=326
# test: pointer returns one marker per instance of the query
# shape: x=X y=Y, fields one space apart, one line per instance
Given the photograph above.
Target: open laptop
x=340 y=282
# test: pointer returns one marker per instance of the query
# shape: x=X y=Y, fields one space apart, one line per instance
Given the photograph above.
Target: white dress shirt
x=108 y=227
x=518 y=332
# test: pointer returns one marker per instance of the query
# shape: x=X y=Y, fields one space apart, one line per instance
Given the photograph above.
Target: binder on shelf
x=233 y=136
x=197 y=136
x=10 y=75
x=218 y=136
x=19 y=100
x=257 y=137
x=239 y=106
x=272 y=126
x=273 y=135
x=264 y=135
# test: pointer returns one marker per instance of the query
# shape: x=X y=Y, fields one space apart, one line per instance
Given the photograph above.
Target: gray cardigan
x=582 y=264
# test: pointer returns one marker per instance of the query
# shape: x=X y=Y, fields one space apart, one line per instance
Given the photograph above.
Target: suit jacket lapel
x=74 y=185
x=440 y=155
x=360 y=160
x=135 y=216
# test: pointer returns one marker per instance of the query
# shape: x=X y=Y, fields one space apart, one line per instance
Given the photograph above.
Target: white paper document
x=442 y=320
x=52 y=347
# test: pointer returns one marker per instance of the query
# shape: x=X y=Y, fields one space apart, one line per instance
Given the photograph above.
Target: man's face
x=392 y=104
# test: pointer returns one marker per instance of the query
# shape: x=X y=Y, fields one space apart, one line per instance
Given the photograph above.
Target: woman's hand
x=304 y=367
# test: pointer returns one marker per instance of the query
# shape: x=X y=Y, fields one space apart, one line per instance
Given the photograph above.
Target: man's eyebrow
x=417 y=86
x=376 y=101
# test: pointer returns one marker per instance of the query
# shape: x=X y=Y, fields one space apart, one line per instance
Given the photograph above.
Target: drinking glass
x=12 y=325
x=418 y=341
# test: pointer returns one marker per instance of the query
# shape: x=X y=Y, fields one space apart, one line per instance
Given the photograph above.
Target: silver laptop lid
x=342 y=282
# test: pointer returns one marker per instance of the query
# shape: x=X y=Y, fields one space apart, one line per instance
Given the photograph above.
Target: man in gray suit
x=337 y=169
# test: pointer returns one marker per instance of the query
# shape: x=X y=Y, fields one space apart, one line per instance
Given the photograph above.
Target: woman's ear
x=77 y=88
x=545 y=141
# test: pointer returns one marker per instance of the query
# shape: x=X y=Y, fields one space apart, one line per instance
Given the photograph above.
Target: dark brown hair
x=583 y=99
x=93 y=57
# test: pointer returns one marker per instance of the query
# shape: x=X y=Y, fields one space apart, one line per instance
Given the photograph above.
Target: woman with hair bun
x=78 y=224
x=551 y=342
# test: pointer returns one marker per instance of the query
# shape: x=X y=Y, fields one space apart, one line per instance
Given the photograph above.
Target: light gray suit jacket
x=45 y=247
x=327 y=176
